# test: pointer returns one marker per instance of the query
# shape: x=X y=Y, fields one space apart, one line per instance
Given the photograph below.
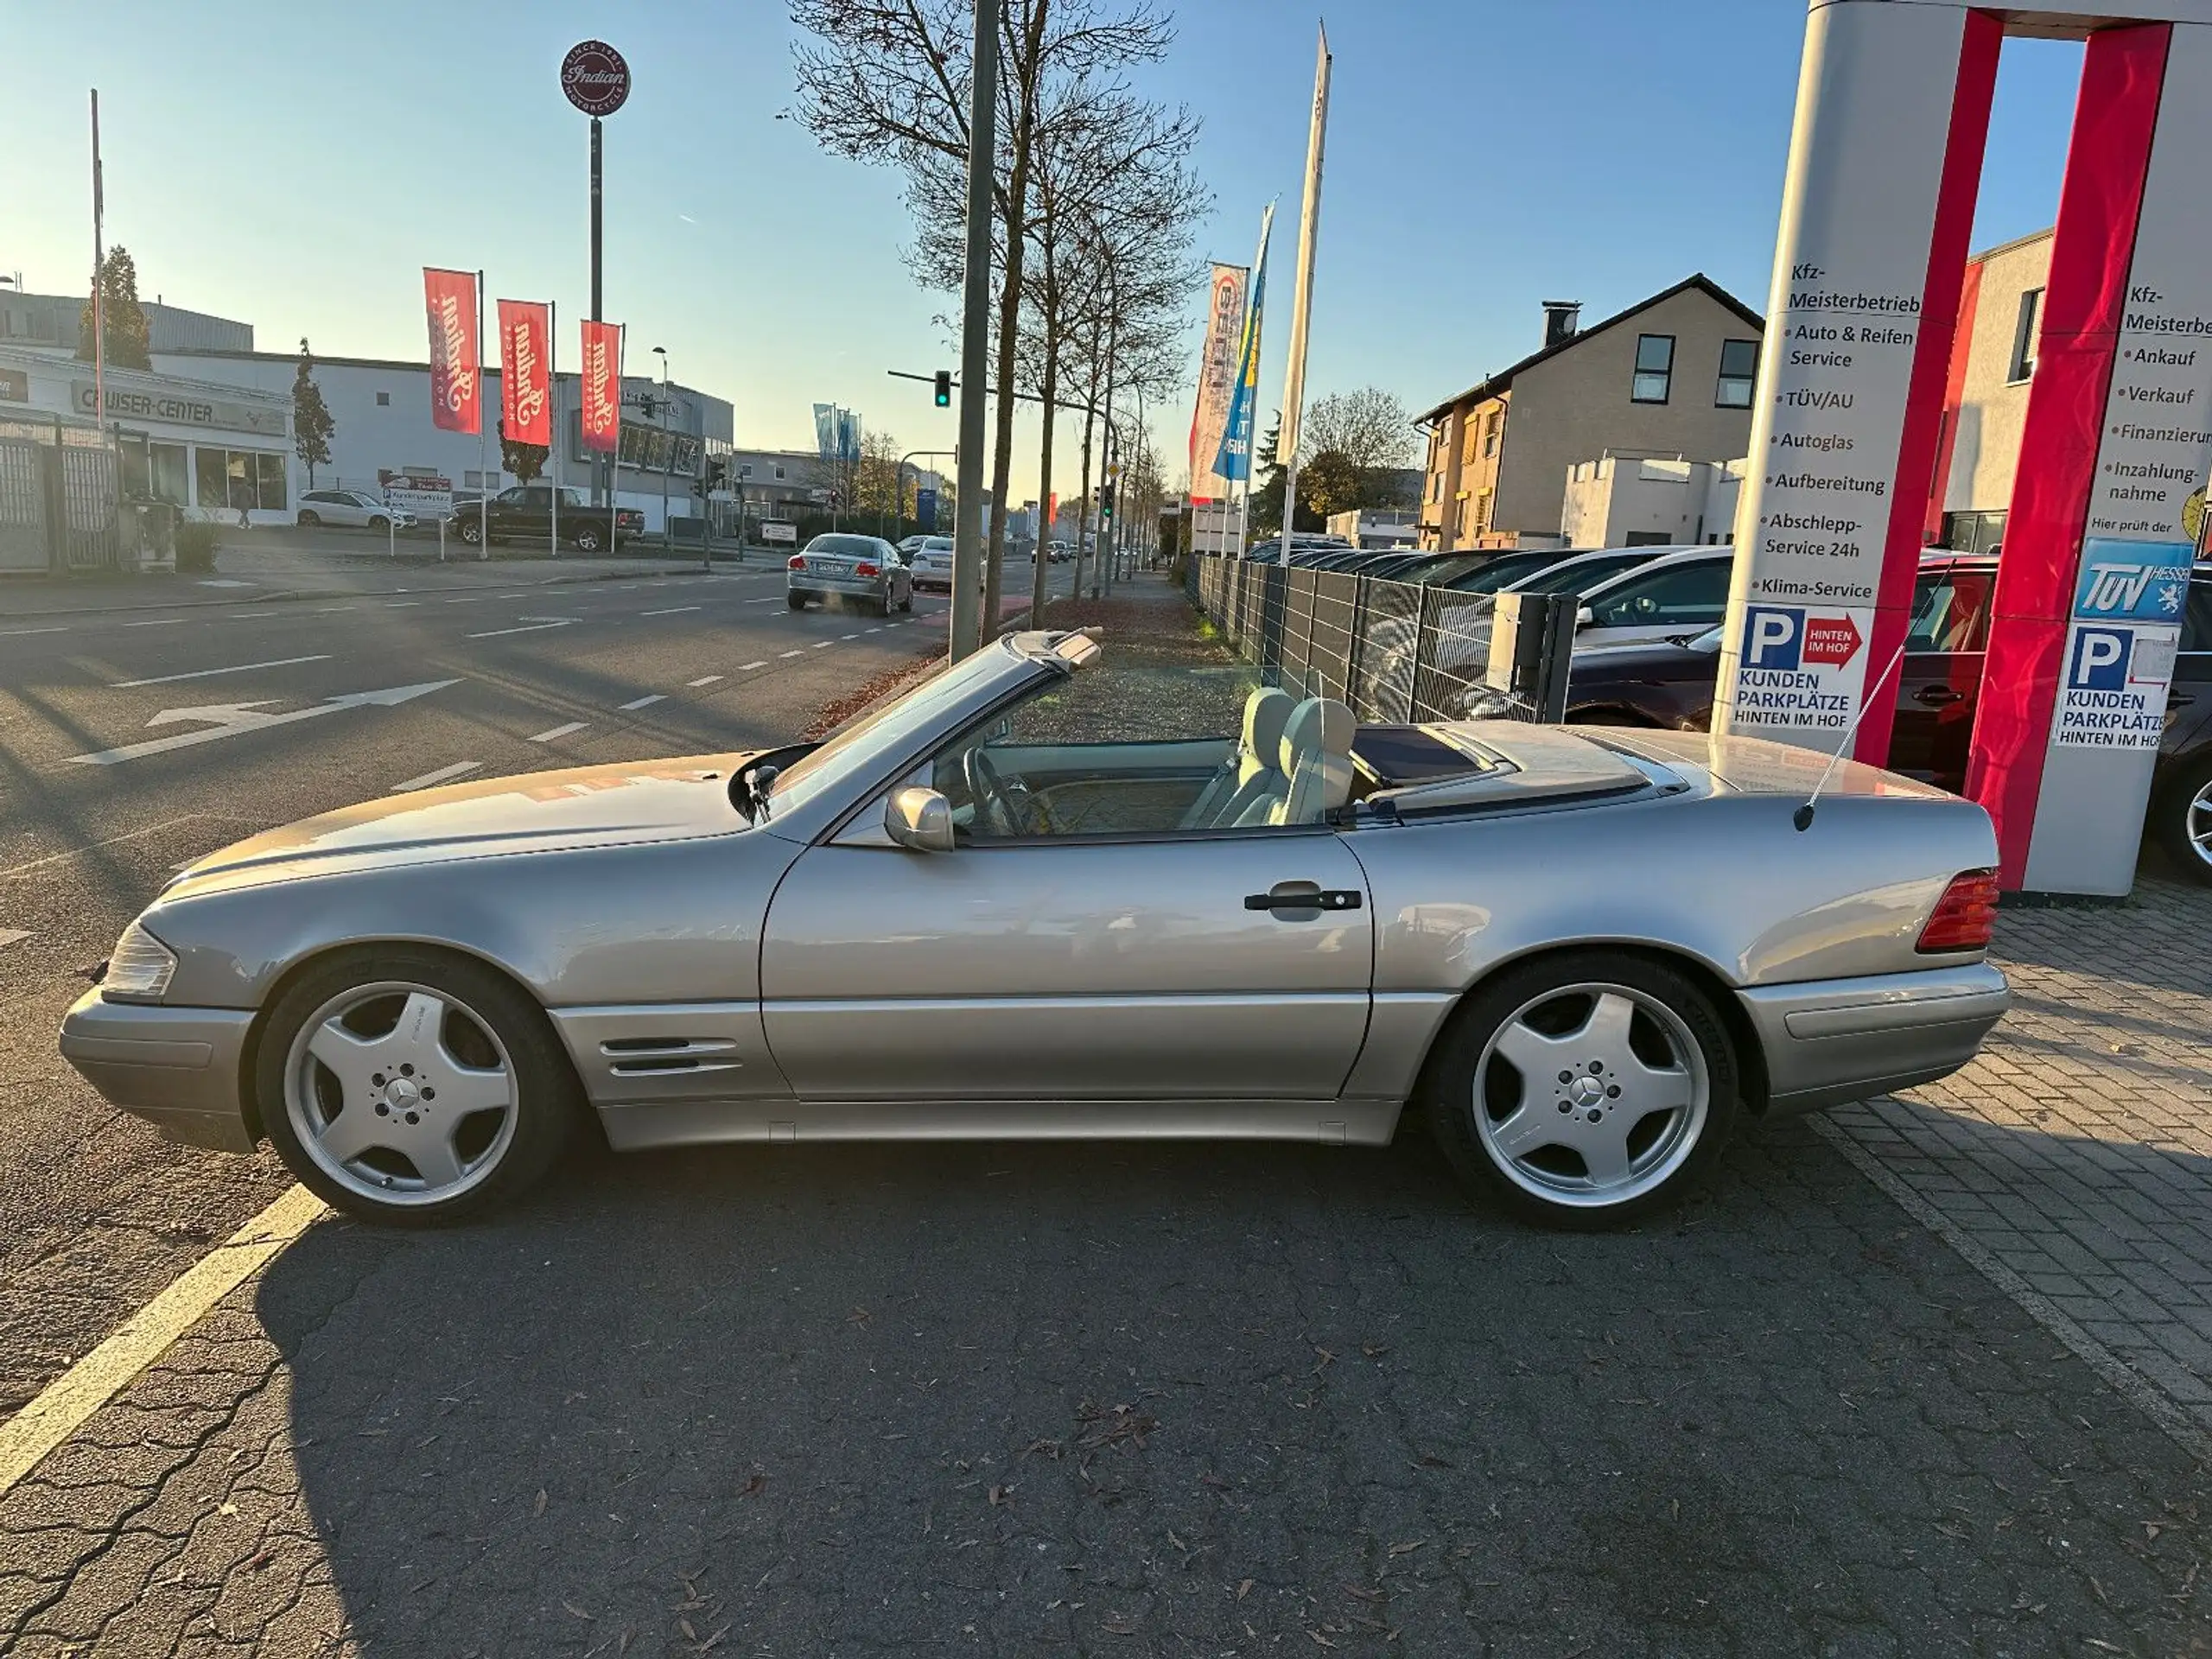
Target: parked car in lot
x=1671 y=683
x=1017 y=903
x=864 y=570
x=524 y=513
x=932 y=565
x=351 y=509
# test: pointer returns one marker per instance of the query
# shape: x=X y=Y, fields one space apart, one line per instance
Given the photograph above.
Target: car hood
x=535 y=812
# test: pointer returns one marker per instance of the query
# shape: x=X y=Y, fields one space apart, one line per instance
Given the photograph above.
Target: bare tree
x=1369 y=428
x=886 y=82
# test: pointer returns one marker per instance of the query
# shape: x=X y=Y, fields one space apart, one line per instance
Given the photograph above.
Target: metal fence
x=61 y=506
x=1395 y=651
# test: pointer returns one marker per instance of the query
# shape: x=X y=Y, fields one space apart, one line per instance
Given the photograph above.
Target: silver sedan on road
x=864 y=570
x=1031 y=898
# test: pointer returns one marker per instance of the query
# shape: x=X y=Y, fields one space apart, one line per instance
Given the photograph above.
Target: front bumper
x=1830 y=1041
x=177 y=1068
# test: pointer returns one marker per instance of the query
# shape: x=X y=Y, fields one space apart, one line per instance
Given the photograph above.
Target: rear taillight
x=795 y=562
x=864 y=570
x=1963 y=916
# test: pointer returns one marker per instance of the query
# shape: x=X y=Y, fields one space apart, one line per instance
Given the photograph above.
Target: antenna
x=1802 y=817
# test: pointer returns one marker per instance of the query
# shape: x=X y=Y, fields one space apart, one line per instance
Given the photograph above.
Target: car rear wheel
x=310 y=518
x=2180 y=814
x=1584 y=1089
x=796 y=602
x=409 y=1088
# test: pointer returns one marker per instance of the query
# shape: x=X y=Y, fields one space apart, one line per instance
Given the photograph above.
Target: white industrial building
x=1642 y=501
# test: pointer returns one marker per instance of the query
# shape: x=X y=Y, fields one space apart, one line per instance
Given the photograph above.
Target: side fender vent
x=635 y=1057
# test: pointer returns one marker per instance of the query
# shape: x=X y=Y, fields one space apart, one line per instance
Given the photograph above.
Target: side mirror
x=1584 y=616
x=920 y=820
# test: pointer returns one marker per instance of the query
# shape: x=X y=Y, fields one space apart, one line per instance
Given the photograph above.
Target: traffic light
x=944 y=396
x=1106 y=502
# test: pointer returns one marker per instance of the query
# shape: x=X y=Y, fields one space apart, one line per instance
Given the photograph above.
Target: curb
x=277 y=595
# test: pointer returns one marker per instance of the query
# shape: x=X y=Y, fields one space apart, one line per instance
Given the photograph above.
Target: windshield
x=1500 y=573
x=862 y=744
x=1580 y=576
x=866 y=546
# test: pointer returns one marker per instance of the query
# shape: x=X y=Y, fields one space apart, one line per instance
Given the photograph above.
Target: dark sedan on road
x=1670 y=684
x=524 y=513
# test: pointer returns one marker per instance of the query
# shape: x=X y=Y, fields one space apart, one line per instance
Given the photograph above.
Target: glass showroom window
x=1655 y=369
x=166 y=461
x=1740 y=373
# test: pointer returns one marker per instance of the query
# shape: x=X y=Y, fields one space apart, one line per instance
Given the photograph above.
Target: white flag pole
x=1309 y=227
x=553 y=414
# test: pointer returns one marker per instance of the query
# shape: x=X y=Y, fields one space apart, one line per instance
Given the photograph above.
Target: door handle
x=1936 y=695
x=1304 y=896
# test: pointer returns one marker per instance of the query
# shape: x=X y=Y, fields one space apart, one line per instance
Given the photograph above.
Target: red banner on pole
x=526 y=385
x=602 y=385
x=456 y=378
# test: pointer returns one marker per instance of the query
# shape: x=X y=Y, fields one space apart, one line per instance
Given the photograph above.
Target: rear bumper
x=858 y=587
x=1830 y=1041
x=177 y=1068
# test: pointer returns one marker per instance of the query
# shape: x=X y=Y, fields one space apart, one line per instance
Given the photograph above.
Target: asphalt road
x=96 y=1213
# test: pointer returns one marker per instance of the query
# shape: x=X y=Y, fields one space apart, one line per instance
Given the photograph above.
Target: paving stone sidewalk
x=2076 y=1150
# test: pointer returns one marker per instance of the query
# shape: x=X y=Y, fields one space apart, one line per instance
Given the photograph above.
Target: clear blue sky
x=294 y=166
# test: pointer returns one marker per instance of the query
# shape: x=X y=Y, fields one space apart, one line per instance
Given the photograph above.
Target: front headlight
x=140 y=968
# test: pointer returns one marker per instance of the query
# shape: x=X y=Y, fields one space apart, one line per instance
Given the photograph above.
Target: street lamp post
x=667 y=541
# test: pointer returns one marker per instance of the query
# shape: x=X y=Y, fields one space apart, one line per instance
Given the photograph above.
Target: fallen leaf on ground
x=1408 y=1548
x=538 y=1507
x=577 y=1611
x=752 y=1487
x=1243 y=1589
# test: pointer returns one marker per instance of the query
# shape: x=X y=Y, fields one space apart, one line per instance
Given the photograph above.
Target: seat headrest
x=1267 y=711
x=1318 y=726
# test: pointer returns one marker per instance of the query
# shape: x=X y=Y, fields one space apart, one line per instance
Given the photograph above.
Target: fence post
x=1354 y=640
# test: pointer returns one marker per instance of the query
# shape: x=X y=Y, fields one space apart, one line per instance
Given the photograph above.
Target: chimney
x=1563 y=318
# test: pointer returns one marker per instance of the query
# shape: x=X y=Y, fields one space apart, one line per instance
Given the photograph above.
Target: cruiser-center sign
x=595 y=78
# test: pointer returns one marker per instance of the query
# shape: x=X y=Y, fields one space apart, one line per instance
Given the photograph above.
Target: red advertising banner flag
x=525 y=386
x=456 y=375
x=602 y=385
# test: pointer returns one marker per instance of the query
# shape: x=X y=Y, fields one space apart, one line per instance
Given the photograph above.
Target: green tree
x=127 y=340
x=525 y=460
x=312 y=425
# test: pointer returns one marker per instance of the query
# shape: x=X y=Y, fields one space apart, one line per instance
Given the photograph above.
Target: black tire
x=2172 y=809
x=1684 y=1147
x=796 y=602
x=472 y=532
x=310 y=518
x=378 y=523
x=549 y=1106
x=587 y=541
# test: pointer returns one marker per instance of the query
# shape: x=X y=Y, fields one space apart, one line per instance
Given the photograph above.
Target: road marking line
x=332 y=610
x=644 y=701
x=70 y=1400
x=210 y=673
x=14 y=935
x=244 y=616
x=11 y=633
x=709 y=679
x=441 y=775
x=671 y=611
x=157 y=622
x=473 y=599
x=234 y=719
x=769 y=601
x=794 y=654
x=875 y=630
x=559 y=731
x=112 y=840
x=852 y=636
x=747 y=668
x=400 y=604
x=528 y=627
x=513 y=595
x=823 y=644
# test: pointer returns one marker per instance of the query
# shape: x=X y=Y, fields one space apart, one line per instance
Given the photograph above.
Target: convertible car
x=1032 y=899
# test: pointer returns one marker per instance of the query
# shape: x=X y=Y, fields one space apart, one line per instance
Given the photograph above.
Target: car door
x=1152 y=963
x=1939 y=680
x=1663 y=602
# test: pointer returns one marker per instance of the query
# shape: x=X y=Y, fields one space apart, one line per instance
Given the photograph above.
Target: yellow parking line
x=70 y=1400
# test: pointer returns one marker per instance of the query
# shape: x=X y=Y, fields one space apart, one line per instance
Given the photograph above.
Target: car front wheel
x=586 y=541
x=308 y=518
x=796 y=602
x=2181 y=817
x=472 y=532
x=1584 y=1089
x=379 y=523
x=407 y=1088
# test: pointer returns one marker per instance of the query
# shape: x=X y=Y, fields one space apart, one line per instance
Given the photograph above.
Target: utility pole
x=1113 y=448
x=967 y=620
x=99 y=287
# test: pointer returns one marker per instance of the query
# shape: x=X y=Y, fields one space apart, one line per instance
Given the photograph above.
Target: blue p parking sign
x=2099 y=661
x=1774 y=637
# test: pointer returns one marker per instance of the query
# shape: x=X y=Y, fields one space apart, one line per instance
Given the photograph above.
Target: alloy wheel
x=1591 y=1094
x=2196 y=822
x=401 y=1094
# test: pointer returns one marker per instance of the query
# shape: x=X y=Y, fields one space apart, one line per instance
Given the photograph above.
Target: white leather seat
x=1316 y=768
x=1251 y=773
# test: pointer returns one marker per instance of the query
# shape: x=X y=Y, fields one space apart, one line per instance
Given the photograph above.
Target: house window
x=1655 y=368
x=2025 y=330
x=383 y=400
x=779 y=474
x=1740 y=373
x=165 y=468
x=1491 y=425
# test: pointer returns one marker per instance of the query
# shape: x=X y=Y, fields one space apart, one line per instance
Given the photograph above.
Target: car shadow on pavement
x=1171 y=1398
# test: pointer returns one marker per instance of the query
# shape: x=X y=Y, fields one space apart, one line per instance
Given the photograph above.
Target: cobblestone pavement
x=1033 y=1400
x=2076 y=1150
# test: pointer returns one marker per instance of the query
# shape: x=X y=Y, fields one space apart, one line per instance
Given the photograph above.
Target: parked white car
x=352 y=509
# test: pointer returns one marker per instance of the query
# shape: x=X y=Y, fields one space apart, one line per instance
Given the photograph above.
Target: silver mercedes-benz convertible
x=1040 y=896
